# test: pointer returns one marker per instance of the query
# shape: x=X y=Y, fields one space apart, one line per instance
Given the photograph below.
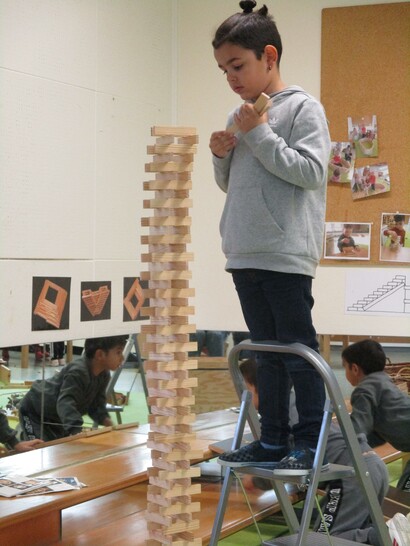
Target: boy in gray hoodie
x=273 y=170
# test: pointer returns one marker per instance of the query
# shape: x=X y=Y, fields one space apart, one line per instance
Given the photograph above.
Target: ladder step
x=312 y=539
x=336 y=471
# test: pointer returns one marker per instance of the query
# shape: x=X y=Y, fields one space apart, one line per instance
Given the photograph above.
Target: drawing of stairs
x=382 y=293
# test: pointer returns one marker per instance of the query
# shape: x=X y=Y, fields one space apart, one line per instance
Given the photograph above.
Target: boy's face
x=350 y=372
x=246 y=75
x=347 y=231
x=112 y=359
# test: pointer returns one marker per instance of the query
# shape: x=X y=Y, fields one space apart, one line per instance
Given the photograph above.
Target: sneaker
x=298 y=462
x=399 y=529
x=253 y=454
x=54 y=362
x=61 y=361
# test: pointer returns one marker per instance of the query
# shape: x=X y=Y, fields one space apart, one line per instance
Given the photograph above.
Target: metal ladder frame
x=111 y=406
x=337 y=405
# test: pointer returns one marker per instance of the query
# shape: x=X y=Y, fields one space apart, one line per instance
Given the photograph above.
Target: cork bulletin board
x=365 y=71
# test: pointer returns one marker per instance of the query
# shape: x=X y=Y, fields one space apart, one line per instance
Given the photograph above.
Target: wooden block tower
x=170 y=509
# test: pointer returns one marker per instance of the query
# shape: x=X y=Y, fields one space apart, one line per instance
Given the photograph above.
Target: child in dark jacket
x=8 y=437
x=78 y=389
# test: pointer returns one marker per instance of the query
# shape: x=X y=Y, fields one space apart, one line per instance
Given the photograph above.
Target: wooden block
x=179 y=437
x=176 y=508
x=172 y=384
x=171 y=420
x=156 y=185
x=167 y=203
x=176 y=491
x=191 y=139
x=167 y=311
x=174 y=220
x=168 y=329
x=169 y=157
x=169 y=166
x=169 y=292
x=171 y=366
x=179 y=148
x=166 y=275
x=171 y=402
x=172 y=347
x=166 y=238
x=163 y=257
x=173 y=131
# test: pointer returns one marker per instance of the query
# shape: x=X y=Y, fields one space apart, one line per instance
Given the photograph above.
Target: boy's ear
x=355 y=368
x=99 y=353
x=271 y=54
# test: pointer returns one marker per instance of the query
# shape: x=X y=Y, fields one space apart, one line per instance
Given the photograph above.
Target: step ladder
x=111 y=406
x=300 y=535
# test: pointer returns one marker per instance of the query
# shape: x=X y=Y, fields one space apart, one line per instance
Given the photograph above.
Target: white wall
x=204 y=99
x=82 y=82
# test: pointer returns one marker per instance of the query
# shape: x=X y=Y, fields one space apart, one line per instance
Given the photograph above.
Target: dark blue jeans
x=277 y=307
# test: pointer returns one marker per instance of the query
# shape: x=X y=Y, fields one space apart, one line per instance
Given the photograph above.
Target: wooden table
x=108 y=462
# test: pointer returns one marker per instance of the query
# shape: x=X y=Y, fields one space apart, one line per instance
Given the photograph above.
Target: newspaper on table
x=16 y=485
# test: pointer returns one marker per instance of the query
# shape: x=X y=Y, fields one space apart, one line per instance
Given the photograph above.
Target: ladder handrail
x=339 y=408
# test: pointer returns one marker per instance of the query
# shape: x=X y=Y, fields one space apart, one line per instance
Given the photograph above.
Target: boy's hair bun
x=247 y=5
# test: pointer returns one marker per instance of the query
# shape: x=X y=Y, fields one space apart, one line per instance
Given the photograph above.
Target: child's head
x=399 y=220
x=347 y=229
x=363 y=358
x=248 y=368
x=104 y=344
x=253 y=30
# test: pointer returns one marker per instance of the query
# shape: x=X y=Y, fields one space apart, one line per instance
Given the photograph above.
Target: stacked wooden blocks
x=170 y=510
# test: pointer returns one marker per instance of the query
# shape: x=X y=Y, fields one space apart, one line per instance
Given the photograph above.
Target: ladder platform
x=312 y=539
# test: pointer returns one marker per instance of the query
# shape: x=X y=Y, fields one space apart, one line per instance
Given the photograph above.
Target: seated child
x=397 y=233
x=78 y=389
x=379 y=409
x=8 y=437
x=344 y=507
x=345 y=242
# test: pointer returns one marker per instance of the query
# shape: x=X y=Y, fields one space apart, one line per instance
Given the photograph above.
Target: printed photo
x=395 y=237
x=347 y=241
x=370 y=180
x=95 y=300
x=133 y=298
x=363 y=134
x=50 y=303
x=341 y=162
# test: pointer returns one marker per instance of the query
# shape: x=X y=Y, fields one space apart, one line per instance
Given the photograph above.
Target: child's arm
x=362 y=414
x=301 y=159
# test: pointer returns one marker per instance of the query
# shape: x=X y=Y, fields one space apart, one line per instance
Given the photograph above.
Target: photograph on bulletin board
x=395 y=237
x=363 y=133
x=347 y=241
x=341 y=163
x=370 y=180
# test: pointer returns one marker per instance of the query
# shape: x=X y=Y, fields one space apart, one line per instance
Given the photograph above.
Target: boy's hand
x=221 y=143
x=248 y=118
x=28 y=445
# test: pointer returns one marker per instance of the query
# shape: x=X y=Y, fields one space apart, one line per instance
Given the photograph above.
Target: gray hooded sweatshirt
x=275 y=180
